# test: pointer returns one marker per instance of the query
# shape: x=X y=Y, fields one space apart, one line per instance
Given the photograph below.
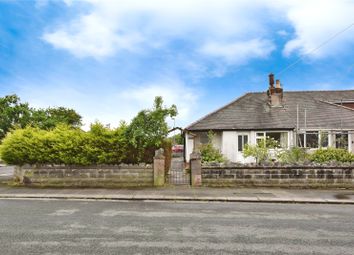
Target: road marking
x=64 y=212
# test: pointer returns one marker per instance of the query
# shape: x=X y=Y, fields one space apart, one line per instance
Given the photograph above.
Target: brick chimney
x=275 y=94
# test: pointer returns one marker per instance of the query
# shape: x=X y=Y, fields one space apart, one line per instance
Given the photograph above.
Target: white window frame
x=264 y=136
x=243 y=135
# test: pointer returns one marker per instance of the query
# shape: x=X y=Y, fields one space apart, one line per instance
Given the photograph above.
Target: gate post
x=159 y=168
x=196 y=168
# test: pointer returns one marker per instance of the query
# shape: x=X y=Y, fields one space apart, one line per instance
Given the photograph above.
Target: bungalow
x=310 y=119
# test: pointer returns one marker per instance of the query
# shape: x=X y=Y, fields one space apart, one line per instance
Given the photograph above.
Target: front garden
x=268 y=152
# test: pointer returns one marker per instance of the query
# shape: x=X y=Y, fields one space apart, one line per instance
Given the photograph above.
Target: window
x=324 y=139
x=310 y=140
x=280 y=137
x=300 y=140
x=260 y=137
x=342 y=140
x=242 y=141
x=203 y=137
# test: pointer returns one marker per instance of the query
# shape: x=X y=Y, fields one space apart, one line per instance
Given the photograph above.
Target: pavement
x=186 y=193
x=180 y=193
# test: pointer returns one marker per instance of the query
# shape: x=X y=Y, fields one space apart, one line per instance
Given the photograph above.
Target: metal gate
x=178 y=174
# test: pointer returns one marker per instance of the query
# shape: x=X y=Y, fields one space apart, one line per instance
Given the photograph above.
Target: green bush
x=64 y=145
x=331 y=154
x=260 y=151
x=293 y=156
x=21 y=146
x=209 y=153
x=106 y=146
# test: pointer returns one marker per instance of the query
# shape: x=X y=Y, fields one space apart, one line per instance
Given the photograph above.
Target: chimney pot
x=271 y=80
x=275 y=94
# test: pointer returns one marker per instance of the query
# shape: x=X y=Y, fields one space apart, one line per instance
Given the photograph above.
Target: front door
x=242 y=140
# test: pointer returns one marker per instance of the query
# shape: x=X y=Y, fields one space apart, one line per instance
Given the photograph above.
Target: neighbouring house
x=310 y=119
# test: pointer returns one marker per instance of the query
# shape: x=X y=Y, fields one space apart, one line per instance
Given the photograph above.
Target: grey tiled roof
x=252 y=111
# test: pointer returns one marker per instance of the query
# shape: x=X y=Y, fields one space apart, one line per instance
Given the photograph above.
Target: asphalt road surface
x=103 y=227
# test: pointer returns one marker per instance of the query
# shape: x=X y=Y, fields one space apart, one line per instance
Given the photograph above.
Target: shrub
x=260 y=151
x=105 y=145
x=294 y=155
x=209 y=153
x=20 y=147
x=64 y=145
x=331 y=154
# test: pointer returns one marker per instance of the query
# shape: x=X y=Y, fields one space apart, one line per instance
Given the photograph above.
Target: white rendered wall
x=229 y=145
x=189 y=146
x=217 y=140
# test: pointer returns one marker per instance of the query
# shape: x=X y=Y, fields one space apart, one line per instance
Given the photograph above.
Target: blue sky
x=109 y=59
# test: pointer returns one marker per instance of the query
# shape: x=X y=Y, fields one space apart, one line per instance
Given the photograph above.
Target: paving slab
x=186 y=193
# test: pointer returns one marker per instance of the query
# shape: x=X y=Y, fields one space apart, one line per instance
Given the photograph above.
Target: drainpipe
x=297 y=126
x=184 y=144
x=305 y=128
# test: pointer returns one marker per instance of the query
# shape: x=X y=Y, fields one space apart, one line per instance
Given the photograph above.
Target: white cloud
x=92 y=36
x=315 y=21
x=113 y=26
x=238 y=52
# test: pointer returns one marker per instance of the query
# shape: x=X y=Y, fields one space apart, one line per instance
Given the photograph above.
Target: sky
x=108 y=59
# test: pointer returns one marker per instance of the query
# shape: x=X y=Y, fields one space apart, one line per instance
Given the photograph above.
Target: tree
x=51 y=117
x=177 y=139
x=13 y=113
x=148 y=130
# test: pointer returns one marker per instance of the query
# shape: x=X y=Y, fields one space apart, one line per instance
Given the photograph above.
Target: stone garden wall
x=87 y=176
x=278 y=176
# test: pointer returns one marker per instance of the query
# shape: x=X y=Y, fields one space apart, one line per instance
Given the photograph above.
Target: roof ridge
x=303 y=91
x=338 y=90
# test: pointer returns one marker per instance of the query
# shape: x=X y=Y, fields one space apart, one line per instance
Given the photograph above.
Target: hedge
x=331 y=154
x=70 y=146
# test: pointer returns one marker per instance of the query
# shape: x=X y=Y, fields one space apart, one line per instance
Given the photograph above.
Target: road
x=103 y=227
